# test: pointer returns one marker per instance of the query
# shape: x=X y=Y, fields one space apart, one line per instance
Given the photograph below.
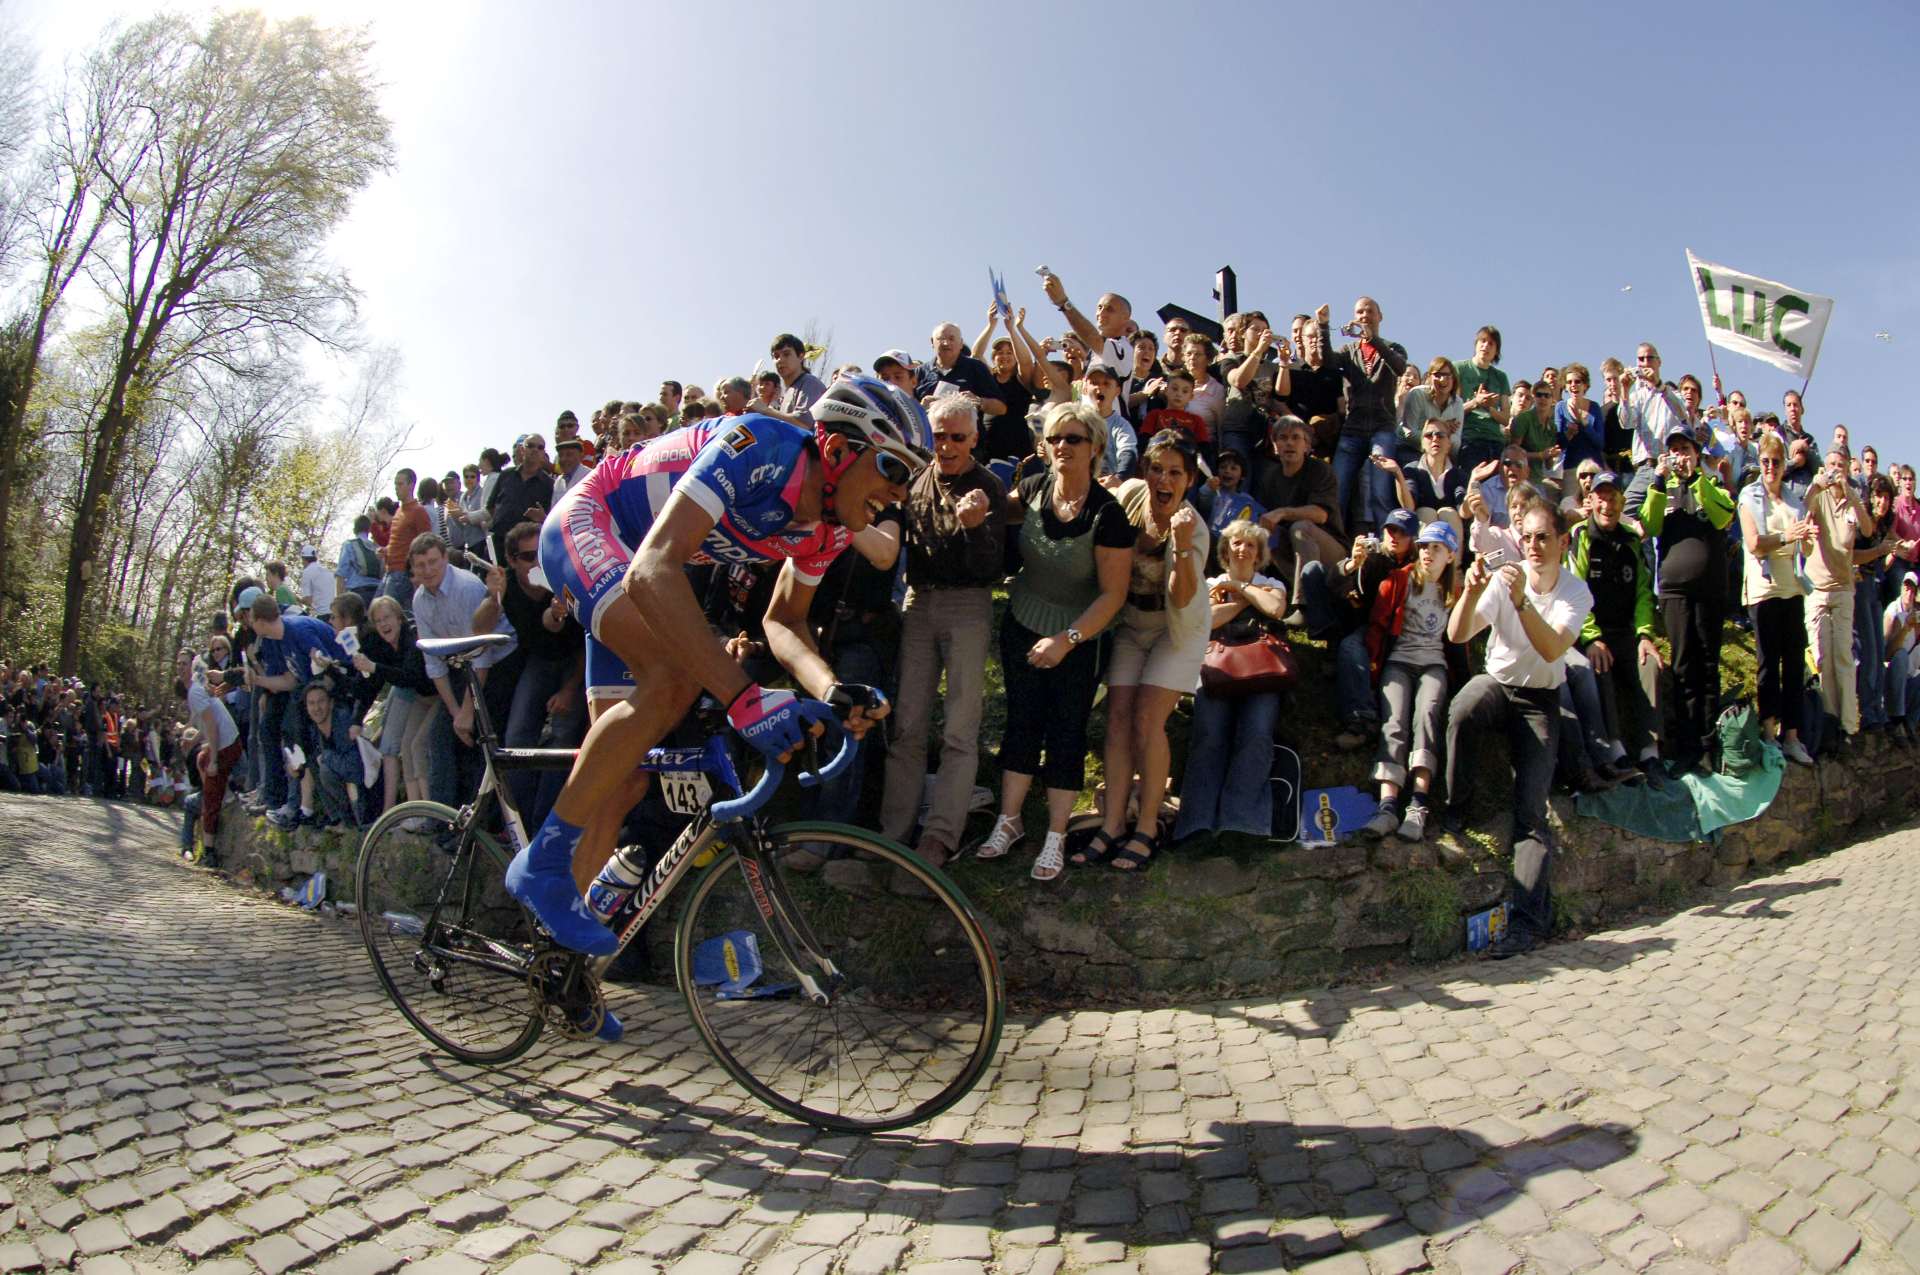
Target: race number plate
x=686 y=791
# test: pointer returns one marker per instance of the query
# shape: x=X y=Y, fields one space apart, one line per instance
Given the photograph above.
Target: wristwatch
x=1073 y=637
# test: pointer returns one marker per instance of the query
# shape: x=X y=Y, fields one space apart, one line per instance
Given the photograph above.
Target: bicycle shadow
x=1278 y=1193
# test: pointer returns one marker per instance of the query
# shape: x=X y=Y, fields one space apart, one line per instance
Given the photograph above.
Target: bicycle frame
x=791 y=934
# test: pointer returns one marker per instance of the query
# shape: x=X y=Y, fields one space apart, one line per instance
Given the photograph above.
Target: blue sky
x=589 y=198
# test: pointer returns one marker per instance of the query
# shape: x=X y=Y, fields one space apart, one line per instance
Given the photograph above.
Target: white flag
x=1760 y=318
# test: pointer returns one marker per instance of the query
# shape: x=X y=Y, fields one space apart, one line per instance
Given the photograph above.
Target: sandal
x=1051 y=861
x=1094 y=848
x=1125 y=859
x=1007 y=833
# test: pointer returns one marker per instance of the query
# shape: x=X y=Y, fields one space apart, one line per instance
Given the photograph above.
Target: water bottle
x=617 y=882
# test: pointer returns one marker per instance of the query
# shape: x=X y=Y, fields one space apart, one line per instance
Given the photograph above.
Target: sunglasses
x=954 y=438
x=890 y=467
x=525 y=557
x=1433 y=434
x=1067 y=440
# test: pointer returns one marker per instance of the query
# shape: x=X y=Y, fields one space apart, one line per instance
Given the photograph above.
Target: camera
x=1354 y=330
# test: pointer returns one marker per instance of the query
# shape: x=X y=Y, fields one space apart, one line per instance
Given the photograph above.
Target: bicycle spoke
x=907 y=1029
x=443 y=936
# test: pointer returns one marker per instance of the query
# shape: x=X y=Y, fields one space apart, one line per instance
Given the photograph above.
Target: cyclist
x=736 y=489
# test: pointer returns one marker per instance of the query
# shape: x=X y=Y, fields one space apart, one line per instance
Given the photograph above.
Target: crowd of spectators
x=1544 y=557
x=67 y=737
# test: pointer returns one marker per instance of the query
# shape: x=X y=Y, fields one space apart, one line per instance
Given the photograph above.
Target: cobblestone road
x=194 y=1078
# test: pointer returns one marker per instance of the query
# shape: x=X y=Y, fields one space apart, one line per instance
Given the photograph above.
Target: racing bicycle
x=860 y=999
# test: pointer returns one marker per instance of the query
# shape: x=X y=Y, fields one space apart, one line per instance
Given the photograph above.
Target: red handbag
x=1263 y=666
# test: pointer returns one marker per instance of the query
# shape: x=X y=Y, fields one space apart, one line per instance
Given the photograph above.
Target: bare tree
x=16 y=136
x=237 y=150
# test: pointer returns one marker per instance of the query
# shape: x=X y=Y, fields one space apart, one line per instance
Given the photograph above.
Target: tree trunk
x=83 y=543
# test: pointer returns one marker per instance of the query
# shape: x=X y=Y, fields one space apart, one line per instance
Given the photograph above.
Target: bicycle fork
x=786 y=924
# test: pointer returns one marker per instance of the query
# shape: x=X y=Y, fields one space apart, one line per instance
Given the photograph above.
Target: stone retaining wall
x=1274 y=917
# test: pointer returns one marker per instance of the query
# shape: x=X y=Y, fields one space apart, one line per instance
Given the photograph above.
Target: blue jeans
x=1870 y=646
x=1229 y=756
x=1354 y=475
x=275 y=708
x=534 y=791
x=190 y=817
x=1903 y=688
x=1580 y=695
x=1353 y=679
x=398 y=585
x=1316 y=601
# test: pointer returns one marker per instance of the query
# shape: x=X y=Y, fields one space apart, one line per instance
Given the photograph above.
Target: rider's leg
x=601 y=833
x=602 y=792
x=547 y=875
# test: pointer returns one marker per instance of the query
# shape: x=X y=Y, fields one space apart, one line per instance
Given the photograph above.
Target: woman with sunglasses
x=1577 y=420
x=1437 y=398
x=1432 y=486
x=1230 y=744
x=1157 y=649
x=1076 y=550
x=1773 y=528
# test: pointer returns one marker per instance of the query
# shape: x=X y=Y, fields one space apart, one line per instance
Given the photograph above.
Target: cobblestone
x=1723 y=1090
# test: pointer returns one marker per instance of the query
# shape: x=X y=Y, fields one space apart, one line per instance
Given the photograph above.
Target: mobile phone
x=1043 y=271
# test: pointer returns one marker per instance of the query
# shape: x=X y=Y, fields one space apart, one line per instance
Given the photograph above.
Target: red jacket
x=1388 y=616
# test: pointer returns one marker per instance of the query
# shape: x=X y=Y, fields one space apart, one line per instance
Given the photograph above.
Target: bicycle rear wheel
x=450 y=947
x=910 y=1028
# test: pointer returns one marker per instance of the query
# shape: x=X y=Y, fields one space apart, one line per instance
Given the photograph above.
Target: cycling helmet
x=868 y=410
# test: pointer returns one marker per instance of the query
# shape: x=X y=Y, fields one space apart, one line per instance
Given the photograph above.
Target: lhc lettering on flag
x=1760 y=318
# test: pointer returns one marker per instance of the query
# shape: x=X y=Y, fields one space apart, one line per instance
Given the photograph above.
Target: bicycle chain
x=569 y=999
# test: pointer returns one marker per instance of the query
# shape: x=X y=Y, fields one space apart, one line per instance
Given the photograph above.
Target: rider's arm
x=657 y=584
x=790 y=637
x=879 y=543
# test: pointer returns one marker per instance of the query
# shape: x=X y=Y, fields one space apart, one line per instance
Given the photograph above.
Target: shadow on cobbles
x=1465 y=985
x=1267 y=1194
x=1759 y=898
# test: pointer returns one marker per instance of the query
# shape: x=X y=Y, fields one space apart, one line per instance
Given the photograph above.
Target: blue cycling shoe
x=611 y=1029
x=548 y=889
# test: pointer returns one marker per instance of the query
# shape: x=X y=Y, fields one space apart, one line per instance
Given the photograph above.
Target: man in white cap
x=317 y=582
x=897 y=368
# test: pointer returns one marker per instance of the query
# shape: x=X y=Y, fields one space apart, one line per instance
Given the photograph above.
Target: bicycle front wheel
x=912 y=1021
x=448 y=944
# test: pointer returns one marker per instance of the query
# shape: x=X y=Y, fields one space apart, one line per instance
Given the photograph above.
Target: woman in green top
x=1076 y=551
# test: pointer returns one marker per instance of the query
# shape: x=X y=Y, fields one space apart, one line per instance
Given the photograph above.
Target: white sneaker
x=1795 y=751
x=1008 y=832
